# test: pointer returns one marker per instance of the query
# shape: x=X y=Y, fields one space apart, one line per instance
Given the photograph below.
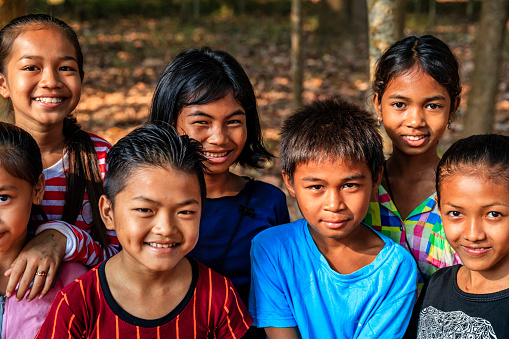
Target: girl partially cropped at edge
x=207 y=95
x=21 y=192
x=416 y=93
x=470 y=300
x=41 y=72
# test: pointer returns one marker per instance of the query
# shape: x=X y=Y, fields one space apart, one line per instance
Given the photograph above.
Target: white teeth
x=49 y=100
x=214 y=155
x=154 y=244
x=414 y=138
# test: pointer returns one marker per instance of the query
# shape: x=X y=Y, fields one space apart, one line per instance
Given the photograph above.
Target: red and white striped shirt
x=86 y=309
x=80 y=245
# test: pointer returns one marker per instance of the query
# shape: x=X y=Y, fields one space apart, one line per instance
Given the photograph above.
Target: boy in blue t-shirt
x=329 y=275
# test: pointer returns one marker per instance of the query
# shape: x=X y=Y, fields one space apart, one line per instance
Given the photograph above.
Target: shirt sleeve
x=61 y=322
x=440 y=253
x=80 y=246
x=268 y=304
x=235 y=319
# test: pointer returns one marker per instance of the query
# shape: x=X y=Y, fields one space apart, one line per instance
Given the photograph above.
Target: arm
x=42 y=254
x=80 y=246
x=282 y=333
x=61 y=322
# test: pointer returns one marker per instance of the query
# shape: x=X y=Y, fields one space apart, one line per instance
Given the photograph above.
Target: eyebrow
x=7 y=188
x=496 y=203
x=35 y=57
x=433 y=98
x=203 y=114
x=350 y=178
x=157 y=203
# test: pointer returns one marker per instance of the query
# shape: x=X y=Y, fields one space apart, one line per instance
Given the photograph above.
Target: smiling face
x=16 y=199
x=42 y=78
x=475 y=217
x=156 y=221
x=221 y=128
x=333 y=197
x=415 y=110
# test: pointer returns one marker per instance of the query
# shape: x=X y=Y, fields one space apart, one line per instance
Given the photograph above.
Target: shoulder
x=395 y=255
x=281 y=233
x=83 y=284
x=100 y=144
x=444 y=275
x=70 y=271
x=266 y=187
x=212 y=285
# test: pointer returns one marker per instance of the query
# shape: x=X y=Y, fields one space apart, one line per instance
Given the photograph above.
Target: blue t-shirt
x=218 y=221
x=294 y=285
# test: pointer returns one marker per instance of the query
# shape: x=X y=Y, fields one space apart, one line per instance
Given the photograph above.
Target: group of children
x=175 y=245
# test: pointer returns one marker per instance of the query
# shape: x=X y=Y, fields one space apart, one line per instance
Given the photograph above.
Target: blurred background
x=294 y=51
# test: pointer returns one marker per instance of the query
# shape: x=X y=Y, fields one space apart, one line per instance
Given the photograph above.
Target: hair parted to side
x=429 y=54
x=331 y=129
x=84 y=172
x=20 y=157
x=152 y=145
x=200 y=76
x=484 y=155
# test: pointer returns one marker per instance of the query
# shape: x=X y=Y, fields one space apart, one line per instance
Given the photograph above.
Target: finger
x=52 y=275
x=8 y=272
x=17 y=269
x=26 y=280
x=38 y=283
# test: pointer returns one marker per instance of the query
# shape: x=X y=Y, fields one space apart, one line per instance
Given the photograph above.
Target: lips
x=475 y=250
x=159 y=245
x=215 y=154
x=415 y=140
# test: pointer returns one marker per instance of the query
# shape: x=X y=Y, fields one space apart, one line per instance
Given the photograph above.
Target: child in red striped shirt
x=155 y=189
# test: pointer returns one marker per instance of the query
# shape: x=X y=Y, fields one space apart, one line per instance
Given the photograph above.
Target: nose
x=218 y=135
x=474 y=231
x=50 y=78
x=333 y=201
x=415 y=117
x=165 y=226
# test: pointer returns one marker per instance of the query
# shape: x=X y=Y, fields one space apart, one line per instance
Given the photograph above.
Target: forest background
x=293 y=51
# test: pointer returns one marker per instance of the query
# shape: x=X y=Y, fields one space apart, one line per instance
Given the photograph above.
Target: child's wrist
x=63 y=233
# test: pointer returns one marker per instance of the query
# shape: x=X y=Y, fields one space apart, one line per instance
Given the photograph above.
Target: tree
x=333 y=20
x=489 y=46
x=9 y=9
x=382 y=28
x=296 y=54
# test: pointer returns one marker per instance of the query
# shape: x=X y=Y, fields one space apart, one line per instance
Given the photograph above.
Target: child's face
x=221 y=128
x=42 y=78
x=16 y=199
x=415 y=110
x=156 y=217
x=333 y=196
x=475 y=217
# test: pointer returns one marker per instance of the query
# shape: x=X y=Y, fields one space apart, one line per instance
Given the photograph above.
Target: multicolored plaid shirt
x=422 y=229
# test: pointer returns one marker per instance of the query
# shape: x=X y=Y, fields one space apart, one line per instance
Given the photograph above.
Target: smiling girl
x=207 y=95
x=416 y=93
x=470 y=300
x=41 y=72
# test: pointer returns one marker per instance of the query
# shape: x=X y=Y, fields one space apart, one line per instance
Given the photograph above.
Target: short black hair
x=200 y=76
x=331 y=128
x=484 y=155
x=152 y=145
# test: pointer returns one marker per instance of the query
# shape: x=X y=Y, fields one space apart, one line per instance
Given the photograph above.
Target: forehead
x=44 y=41
x=415 y=82
x=330 y=168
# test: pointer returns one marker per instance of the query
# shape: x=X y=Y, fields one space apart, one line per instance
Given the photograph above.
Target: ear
x=39 y=190
x=288 y=183
x=456 y=106
x=376 y=184
x=438 y=205
x=106 y=209
x=377 y=105
x=4 y=91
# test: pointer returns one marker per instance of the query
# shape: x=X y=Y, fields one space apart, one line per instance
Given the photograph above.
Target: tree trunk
x=196 y=10
x=359 y=30
x=9 y=9
x=333 y=21
x=488 y=52
x=382 y=29
x=296 y=57
x=400 y=19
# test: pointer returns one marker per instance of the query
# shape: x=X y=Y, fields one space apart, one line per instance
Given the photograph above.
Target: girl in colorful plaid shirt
x=416 y=93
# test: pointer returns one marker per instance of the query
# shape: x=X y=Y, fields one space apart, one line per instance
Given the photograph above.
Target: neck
x=401 y=164
x=483 y=282
x=223 y=184
x=50 y=139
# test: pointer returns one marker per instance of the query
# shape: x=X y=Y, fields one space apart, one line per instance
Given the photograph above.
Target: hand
x=42 y=254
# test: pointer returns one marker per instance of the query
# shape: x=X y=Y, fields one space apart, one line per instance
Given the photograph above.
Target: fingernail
x=8 y=294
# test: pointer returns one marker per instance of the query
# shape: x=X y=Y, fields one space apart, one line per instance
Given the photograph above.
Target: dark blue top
x=218 y=221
